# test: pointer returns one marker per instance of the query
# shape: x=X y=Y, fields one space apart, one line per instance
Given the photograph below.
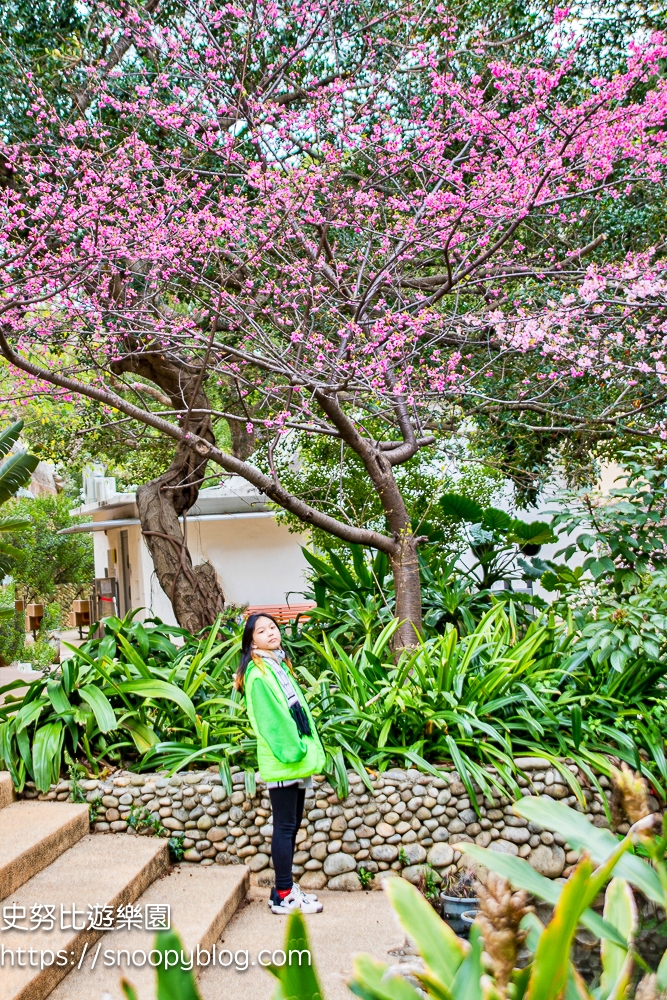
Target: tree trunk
x=407 y=586
x=194 y=591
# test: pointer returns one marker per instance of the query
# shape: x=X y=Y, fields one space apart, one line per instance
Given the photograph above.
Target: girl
x=289 y=750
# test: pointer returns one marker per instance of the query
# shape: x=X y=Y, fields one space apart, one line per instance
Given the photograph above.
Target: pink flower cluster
x=335 y=233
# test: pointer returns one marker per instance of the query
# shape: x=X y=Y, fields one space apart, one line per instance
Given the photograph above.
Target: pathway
x=351 y=922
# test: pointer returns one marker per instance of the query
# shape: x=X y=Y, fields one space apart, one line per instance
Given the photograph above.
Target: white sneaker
x=287 y=905
x=310 y=897
x=295 y=901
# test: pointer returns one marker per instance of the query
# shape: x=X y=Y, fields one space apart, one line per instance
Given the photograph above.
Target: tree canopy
x=343 y=219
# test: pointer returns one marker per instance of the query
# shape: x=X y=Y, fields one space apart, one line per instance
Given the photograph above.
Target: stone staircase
x=51 y=867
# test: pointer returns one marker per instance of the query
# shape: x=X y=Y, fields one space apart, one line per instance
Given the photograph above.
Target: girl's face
x=266 y=634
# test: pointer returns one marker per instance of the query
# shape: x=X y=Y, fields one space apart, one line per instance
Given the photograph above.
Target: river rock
x=413 y=873
x=504 y=847
x=338 y=864
x=394 y=774
x=415 y=853
x=385 y=852
x=548 y=860
x=347 y=882
x=456 y=826
x=440 y=855
x=313 y=881
x=258 y=862
x=384 y=830
x=170 y=823
x=516 y=834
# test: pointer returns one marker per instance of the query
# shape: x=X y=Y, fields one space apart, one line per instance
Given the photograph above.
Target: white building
x=258 y=560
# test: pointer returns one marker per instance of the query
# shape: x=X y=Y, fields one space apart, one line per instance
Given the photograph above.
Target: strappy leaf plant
x=15 y=472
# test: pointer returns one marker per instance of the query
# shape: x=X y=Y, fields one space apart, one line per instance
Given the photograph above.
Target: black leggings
x=287 y=804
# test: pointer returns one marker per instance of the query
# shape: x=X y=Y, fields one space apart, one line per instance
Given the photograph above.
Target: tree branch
x=278 y=494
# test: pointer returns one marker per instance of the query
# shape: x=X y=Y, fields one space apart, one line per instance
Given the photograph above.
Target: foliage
x=478 y=699
x=12 y=627
x=408 y=263
x=647 y=838
x=455 y=970
x=75 y=772
x=622 y=537
x=43 y=653
x=365 y=877
x=15 y=472
x=46 y=558
x=354 y=591
x=76 y=432
x=176 y=848
x=174 y=981
x=296 y=979
x=496 y=539
x=313 y=469
x=485 y=698
x=142 y=819
x=131 y=687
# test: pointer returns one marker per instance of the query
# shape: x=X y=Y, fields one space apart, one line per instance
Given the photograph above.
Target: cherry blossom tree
x=310 y=214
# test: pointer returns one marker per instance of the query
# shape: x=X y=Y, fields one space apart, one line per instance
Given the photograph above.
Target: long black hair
x=246 y=646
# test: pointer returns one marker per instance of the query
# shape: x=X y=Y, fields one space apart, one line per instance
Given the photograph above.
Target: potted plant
x=457 y=897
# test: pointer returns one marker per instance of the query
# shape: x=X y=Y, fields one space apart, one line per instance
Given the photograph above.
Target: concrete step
x=6 y=789
x=202 y=901
x=102 y=871
x=33 y=834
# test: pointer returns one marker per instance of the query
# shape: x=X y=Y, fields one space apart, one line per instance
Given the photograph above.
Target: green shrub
x=119 y=694
x=487 y=967
x=12 y=632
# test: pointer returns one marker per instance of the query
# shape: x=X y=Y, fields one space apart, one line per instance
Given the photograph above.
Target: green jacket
x=281 y=753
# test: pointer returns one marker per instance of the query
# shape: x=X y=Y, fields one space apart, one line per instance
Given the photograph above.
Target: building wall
x=257 y=560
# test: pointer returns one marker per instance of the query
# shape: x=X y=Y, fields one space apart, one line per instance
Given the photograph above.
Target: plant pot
x=453 y=908
x=468 y=918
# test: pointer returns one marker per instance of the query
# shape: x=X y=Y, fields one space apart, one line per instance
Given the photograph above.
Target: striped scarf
x=275 y=659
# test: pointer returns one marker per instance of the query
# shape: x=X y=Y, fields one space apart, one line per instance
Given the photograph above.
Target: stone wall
x=411 y=819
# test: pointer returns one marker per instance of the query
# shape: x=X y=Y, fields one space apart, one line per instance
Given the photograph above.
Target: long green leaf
x=370 y=982
x=437 y=943
x=173 y=982
x=522 y=875
x=46 y=754
x=58 y=698
x=598 y=842
x=620 y=910
x=160 y=689
x=144 y=737
x=134 y=657
x=552 y=956
x=105 y=717
x=297 y=975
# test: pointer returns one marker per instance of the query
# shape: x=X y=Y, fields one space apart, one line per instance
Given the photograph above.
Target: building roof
x=234 y=497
